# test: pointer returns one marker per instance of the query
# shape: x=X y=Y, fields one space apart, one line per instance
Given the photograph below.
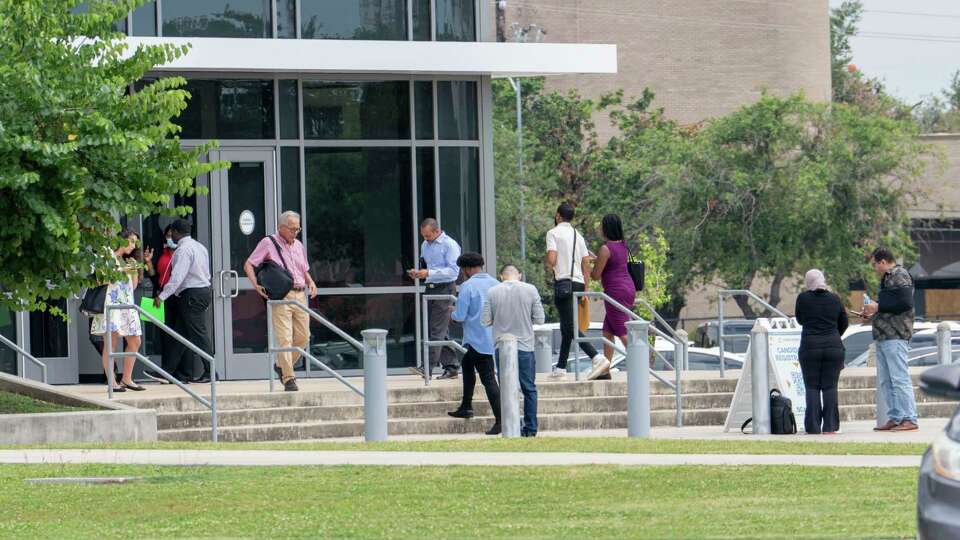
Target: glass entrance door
x=243 y=210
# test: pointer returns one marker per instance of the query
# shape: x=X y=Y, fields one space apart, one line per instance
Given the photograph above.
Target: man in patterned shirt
x=892 y=317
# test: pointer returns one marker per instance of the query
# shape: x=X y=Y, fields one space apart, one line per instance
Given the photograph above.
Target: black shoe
x=461 y=413
x=495 y=430
x=203 y=379
x=528 y=434
x=290 y=386
x=449 y=373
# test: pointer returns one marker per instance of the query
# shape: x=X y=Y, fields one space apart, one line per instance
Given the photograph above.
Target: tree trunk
x=743 y=302
x=775 y=292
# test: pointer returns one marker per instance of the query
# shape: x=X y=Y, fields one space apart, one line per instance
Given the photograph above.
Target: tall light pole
x=521 y=35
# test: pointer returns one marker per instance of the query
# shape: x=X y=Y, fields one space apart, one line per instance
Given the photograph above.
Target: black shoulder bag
x=563 y=288
x=635 y=268
x=93 y=300
x=278 y=281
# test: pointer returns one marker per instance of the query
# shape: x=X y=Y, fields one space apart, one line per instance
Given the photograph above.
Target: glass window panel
x=145 y=20
x=290 y=179
x=460 y=195
x=48 y=333
x=287 y=19
x=289 y=107
x=245 y=180
x=457 y=103
x=8 y=327
x=356 y=110
x=217 y=18
x=249 y=315
x=228 y=109
x=356 y=19
x=423 y=106
x=456 y=20
x=421 y=20
x=354 y=313
x=359 y=203
x=426 y=186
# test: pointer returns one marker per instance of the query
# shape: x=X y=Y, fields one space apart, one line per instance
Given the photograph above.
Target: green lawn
x=18 y=404
x=462 y=502
x=794 y=445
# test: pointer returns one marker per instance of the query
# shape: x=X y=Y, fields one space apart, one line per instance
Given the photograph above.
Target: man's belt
x=435 y=285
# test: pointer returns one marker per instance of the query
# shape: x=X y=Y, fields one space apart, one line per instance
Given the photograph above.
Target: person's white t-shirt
x=560 y=239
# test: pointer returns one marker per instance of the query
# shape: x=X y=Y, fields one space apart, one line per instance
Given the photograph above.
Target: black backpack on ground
x=782 y=420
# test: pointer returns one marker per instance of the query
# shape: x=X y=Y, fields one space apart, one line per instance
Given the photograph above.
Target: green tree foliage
x=77 y=148
x=843 y=26
x=941 y=114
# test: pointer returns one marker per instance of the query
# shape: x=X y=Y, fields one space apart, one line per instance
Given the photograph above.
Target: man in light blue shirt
x=477 y=338
x=440 y=253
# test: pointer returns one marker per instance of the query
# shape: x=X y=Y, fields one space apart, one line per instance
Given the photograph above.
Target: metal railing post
x=543 y=349
x=681 y=364
x=214 y=428
x=759 y=378
x=638 y=379
x=108 y=347
x=509 y=386
x=575 y=344
x=720 y=336
x=425 y=335
x=374 y=385
x=944 y=341
x=22 y=357
x=271 y=344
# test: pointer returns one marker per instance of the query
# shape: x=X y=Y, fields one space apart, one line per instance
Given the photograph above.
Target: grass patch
x=462 y=502
x=11 y=403
x=555 y=444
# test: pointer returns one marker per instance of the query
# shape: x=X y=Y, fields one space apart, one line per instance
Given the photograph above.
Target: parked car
x=929 y=356
x=596 y=330
x=858 y=337
x=938 y=485
x=701 y=359
x=706 y=335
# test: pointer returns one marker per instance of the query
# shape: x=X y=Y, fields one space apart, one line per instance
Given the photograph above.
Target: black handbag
x=275 y=279
x=563 y=288
x=636 y=269
x=93 y=300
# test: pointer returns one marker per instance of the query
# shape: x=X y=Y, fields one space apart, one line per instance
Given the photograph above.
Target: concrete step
x=546 y=390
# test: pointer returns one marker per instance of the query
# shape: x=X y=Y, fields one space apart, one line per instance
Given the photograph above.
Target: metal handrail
x=427 y=343
x=108 y=344
x=676 y=386
x=273 y=350
x=24 y=354
x=721 y=338
x=659 y=319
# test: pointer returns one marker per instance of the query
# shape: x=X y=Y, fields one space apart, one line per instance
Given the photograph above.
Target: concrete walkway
x=495 y=459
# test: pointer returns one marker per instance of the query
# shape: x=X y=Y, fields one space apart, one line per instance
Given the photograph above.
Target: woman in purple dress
x=610 y=267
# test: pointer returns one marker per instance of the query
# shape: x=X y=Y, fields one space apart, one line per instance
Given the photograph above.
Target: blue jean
x=893 y=380
x=527 y=368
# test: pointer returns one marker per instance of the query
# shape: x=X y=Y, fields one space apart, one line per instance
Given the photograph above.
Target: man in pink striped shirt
x=291 y=325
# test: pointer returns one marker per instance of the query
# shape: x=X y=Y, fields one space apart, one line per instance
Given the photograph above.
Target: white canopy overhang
x=383 y=57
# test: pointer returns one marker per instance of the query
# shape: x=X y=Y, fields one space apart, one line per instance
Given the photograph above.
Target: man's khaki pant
x=291 y=328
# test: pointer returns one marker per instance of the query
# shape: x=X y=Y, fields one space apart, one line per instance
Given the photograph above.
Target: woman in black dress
x=821 y=352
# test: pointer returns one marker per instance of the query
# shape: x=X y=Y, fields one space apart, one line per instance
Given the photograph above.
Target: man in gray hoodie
x=513 y=307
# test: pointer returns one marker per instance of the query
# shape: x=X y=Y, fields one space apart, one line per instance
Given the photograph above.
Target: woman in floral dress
x=124 y=324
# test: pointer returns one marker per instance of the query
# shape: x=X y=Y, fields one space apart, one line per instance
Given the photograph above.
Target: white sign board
x=783 y=372
x=247 y=222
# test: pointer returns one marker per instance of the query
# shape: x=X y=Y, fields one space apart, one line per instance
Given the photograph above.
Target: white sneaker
x=558 y=374
x=600 y=366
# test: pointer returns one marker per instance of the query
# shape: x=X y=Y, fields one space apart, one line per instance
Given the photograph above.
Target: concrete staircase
x=562 y=406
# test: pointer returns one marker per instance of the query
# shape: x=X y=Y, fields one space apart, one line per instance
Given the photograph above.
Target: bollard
x=638 y=379
x=944 y=341
x=881 y=404
x=374 y=385
x=759 y=378
x=509 y=386
x=543 y=349
x=684 y=351
x=682 y=363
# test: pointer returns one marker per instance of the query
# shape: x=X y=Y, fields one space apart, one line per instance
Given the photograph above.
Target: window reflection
x=457 y=101
x=426 y=186
x=228 y=109
x=421 y=20
x=8 y=328
x=357 y=19
x=249 y=314
x=460 y=195
x=145 y=20
x=290 y=179
x=289 y=105
x=219 y=18
x=354 y=313
x=456 y=20
x=356 y=110
x=423 y=108
x=359 y=216
x=48 y=333
x=287 y=19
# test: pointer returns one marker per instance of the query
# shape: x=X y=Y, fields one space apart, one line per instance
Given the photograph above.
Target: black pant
x=565 y=307
x=191 y=322
x=821 y=373
x=169 y=345
x=483 y=364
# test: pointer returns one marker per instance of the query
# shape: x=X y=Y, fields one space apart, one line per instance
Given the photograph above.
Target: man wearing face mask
x=160 y=272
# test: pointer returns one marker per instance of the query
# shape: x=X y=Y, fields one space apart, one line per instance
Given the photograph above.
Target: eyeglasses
x=292 y=229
